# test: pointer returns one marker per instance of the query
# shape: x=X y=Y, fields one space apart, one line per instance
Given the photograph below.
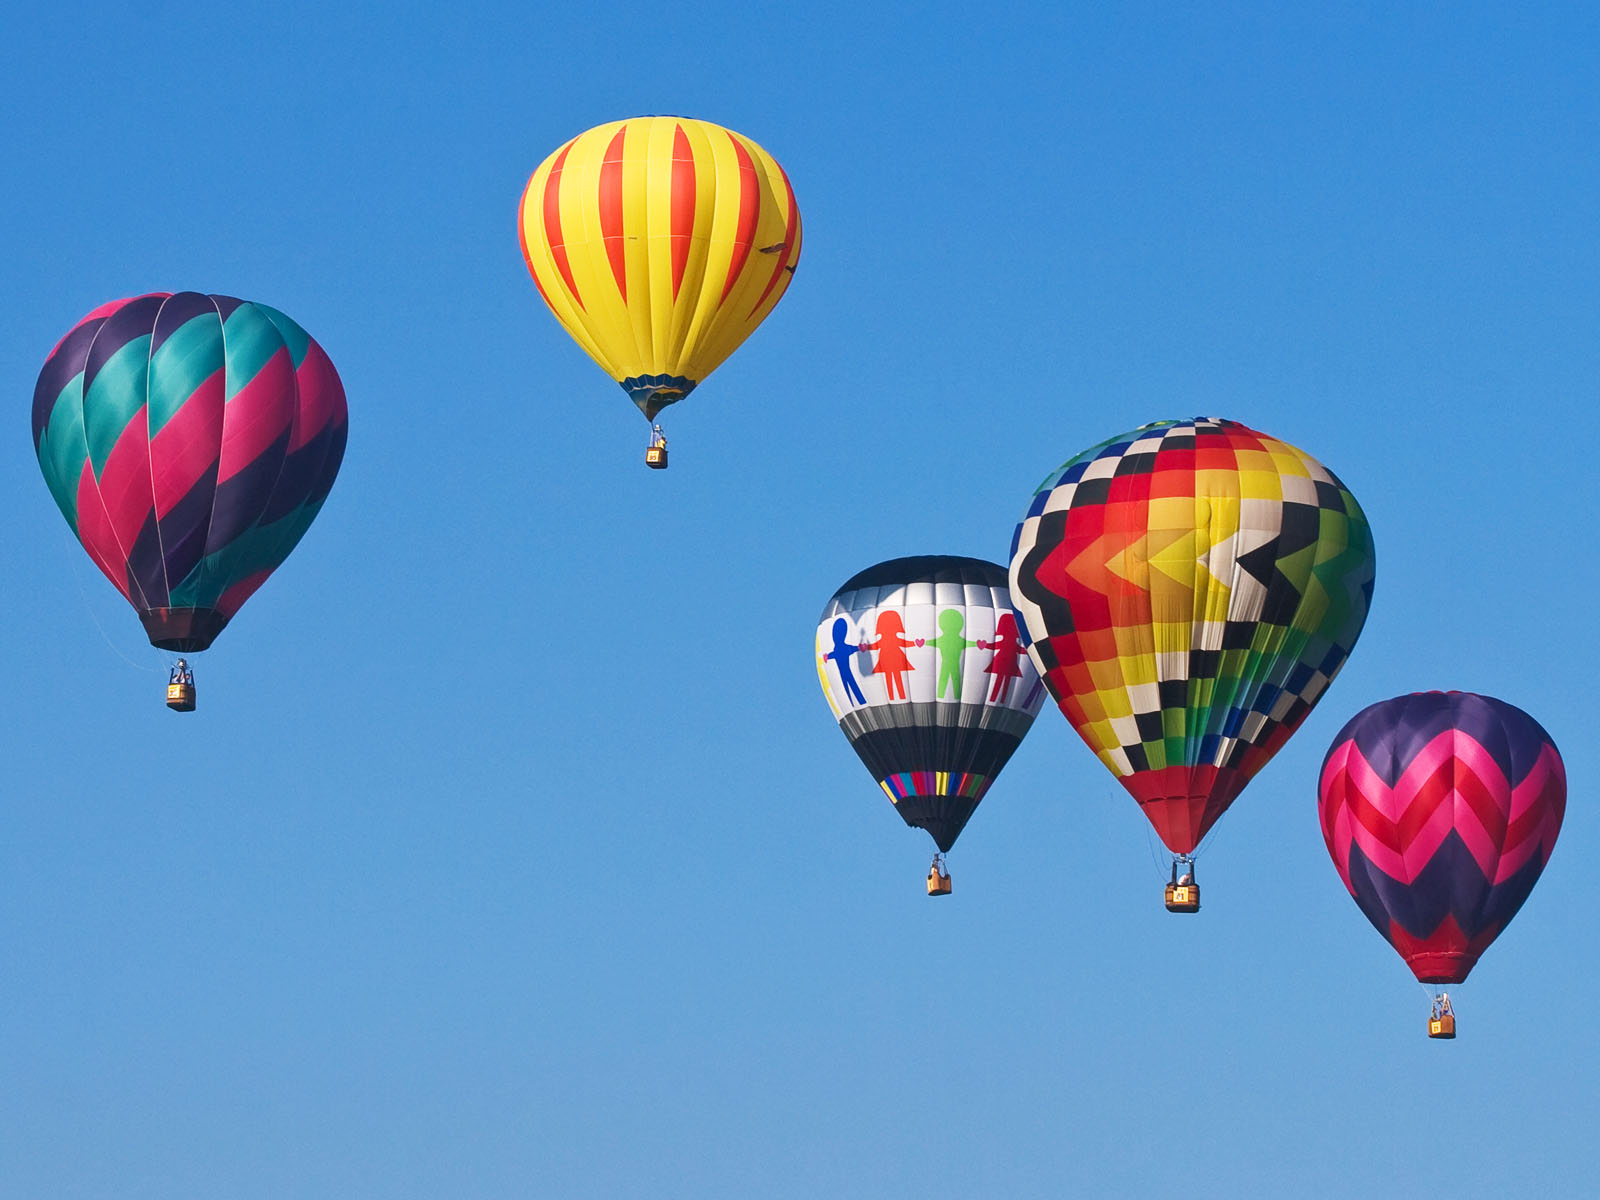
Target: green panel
x=115 y=398
x=189 y=356
x=261 y=548
x=250 y=339
x=295 y=338
x=63 y=450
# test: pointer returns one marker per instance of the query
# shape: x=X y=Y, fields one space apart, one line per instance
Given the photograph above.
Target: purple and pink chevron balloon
x=189 y=440
x=1440 y=810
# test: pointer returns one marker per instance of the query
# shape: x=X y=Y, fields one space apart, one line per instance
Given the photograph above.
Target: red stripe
x=749 y=210
x=682 y=219
x=552 y=223
x=228 y=603
x=791 y=237
x=611 y=211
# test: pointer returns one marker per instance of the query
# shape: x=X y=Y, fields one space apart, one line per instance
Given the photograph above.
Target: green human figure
x=950 y=644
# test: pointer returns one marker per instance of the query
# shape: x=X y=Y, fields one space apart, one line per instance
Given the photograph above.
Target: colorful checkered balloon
x=1189 y=590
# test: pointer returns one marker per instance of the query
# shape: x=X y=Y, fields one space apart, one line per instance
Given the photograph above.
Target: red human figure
x=891 y=646
x=1006 y=666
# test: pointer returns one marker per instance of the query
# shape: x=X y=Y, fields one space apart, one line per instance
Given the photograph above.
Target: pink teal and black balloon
x=189 y=440
x=1440 y=810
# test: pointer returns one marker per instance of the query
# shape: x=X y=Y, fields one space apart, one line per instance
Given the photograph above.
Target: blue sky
x=513 y=850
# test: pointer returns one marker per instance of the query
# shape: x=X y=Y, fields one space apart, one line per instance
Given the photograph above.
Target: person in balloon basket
x=181 y=673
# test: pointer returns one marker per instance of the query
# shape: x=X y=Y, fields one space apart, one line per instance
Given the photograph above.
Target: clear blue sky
x=513 y=851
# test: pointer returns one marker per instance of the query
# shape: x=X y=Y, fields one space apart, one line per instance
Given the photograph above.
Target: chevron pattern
x=189 y=441
x=1190 y=589
x=1440 y=810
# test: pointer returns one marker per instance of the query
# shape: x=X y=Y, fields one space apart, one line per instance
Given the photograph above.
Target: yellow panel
x=652 y=331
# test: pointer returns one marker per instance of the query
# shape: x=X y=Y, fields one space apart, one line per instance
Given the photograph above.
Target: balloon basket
x=180 y=697
x=938 y=881
x=1183 y=897
x=655 y=457
x=1442 y=1026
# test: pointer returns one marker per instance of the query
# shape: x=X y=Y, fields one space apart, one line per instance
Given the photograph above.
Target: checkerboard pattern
x=1189 y=590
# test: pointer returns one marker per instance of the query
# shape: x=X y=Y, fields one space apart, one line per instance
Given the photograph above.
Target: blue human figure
x=840 y=654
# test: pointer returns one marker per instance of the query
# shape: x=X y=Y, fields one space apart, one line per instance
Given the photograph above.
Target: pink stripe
x=1482 y=764
x=125 y=484
x=1539 y=803
x=1465 y=791
x=94 y=531
x=1332 y=814
x=1375 y=813
x=185 y=450
x=322 y=401
x=1482 y=842
x=259 y=414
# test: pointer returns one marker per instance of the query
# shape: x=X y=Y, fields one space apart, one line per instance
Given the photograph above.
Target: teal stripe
x=250 y=339
x=295 y=338
x=189 y=356
x=262 y=548
x=115 y=398
x=63 y=449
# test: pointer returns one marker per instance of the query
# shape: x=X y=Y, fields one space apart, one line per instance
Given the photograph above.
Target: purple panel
x=239 y=500
x=133 y=320
x=180 y=308
x=65 y=362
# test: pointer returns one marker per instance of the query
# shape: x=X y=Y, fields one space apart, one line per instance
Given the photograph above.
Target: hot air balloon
x=1440 y=810
x=189 y=440
x=923 y=666
x=660 y=243
x=1188 y=590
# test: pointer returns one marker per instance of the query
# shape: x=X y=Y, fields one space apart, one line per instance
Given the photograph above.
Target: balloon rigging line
x=83 y=597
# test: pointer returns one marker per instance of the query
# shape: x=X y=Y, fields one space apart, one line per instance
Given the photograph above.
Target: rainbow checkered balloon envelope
x=923 y=666
x=189 y=441
x=1189 y=589
x=1440 y=810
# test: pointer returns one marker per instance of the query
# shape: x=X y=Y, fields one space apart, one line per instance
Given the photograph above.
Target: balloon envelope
x=189 y=440
x=660 y=243
x=922 y=664
x=1440 y=810
x=1189 y=589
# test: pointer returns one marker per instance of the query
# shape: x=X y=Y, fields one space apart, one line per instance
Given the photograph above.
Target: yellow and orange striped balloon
x=660 y=243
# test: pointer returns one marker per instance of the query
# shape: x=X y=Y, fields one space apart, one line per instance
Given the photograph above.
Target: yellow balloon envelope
x=660 y=243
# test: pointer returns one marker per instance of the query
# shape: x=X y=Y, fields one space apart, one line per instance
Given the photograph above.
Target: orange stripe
x=682 y=218
x=791 y=234
x=611 y=211
x=552 y=222
x=749 y=210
